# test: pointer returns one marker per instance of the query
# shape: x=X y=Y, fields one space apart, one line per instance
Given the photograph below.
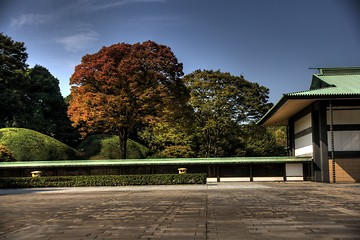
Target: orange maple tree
x=123 y=85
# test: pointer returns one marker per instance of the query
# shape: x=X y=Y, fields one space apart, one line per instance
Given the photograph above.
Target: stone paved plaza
x=302 y=210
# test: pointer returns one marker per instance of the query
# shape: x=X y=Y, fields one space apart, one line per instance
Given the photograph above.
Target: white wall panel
x=303 y=141
x=303 y=123
x=345 y=141
x=294 y=169
x=303 y=145
x=304 y=151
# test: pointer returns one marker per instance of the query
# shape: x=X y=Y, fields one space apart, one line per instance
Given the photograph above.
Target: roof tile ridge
x=342 y=74
x=309 y=91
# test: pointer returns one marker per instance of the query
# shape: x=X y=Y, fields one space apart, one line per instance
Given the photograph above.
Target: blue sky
x=272 y=42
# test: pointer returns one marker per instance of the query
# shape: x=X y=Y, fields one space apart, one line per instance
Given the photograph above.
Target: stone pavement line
x=301 y=210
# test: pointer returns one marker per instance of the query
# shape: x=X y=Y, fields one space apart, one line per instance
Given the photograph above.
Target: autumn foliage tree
x=124 y=85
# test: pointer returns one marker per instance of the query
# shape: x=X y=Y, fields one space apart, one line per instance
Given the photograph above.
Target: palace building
x=324 y=123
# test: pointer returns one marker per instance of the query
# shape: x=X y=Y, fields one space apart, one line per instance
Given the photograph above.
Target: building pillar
x=332 y=142
x=251 y=173
x=291 y=138
x=320 y=143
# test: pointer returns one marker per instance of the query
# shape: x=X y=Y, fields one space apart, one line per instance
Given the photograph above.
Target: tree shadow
x=17 y=191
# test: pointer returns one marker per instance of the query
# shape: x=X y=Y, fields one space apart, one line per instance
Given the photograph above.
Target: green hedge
x=106 y=180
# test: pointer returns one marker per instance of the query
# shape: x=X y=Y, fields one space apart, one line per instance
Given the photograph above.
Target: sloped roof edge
x=292 y=103
x=330 y=84
x=285 y=108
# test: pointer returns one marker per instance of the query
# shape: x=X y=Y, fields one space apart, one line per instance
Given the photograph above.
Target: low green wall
x=212 y=167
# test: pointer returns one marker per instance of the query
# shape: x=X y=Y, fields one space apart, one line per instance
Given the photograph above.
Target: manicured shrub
x=106 y=180
x=29 y=145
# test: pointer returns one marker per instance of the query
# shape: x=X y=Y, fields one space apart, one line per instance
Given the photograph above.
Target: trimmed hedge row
x=106 y=180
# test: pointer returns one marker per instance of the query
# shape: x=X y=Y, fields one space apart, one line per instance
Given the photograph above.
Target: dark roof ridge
x=336 y=74
x=333 y=71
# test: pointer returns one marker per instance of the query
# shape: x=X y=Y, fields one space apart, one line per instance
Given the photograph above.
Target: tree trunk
x=208 y=143
x=123 y=136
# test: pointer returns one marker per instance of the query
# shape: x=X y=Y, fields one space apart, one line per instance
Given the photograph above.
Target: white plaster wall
x=304 y=151
x=345 y=141
x=268 y=179
x=303 y=123
x=303 y=145
x=294 y=170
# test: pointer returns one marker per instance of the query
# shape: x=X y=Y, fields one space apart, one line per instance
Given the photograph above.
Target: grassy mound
x=102 y=146
x=29 y=145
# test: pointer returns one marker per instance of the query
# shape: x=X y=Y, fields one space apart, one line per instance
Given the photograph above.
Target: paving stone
x=301 y=210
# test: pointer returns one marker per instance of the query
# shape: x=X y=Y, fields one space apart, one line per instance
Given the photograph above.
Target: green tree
x=261 y=141
x=280 y=135
x=124 y=85
x=46 y=109
x=171 y=135
x=13 y=68
x=221 y=103
x=31 y=98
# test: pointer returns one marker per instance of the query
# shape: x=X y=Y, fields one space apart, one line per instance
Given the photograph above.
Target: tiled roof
x=332 y=85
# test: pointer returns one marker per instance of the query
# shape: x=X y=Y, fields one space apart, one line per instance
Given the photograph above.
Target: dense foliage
x=105 y=180
x=28 y=145
x=5 y=154
x=262 y=141
x=123 y=86
x=171 y=136
x=46 y=108
x=30 y=97
x=102 y=146
x=222 y=103
x=13 y=69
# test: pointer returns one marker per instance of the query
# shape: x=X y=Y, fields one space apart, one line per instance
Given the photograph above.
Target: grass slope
x=102 y=146
x=29 y=145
